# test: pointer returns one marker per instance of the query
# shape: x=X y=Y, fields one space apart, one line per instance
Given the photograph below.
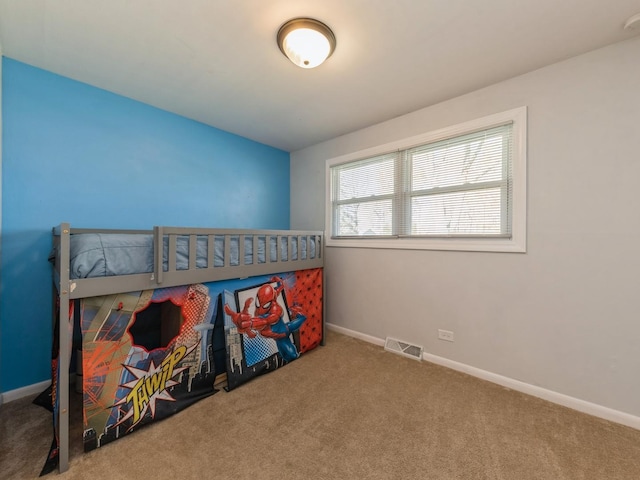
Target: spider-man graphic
x=267 y=318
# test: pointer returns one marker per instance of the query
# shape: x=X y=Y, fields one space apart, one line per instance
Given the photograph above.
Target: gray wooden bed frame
x=66 y=288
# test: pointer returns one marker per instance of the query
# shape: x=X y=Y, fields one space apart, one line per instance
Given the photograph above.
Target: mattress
x=99 y=254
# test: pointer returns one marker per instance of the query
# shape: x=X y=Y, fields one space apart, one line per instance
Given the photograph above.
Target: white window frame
x=517 y=243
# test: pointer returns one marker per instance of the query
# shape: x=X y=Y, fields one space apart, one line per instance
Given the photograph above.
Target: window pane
x=364 y=179
x=457 y=213
x=368 y=218
x=463 y=160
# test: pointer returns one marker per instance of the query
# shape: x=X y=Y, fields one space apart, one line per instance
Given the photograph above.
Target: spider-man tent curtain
x=149 y=354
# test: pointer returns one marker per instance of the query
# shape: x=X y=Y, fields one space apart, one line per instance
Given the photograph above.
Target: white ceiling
x=216 y=61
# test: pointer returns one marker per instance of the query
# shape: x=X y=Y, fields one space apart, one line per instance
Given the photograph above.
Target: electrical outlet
x=445 y=335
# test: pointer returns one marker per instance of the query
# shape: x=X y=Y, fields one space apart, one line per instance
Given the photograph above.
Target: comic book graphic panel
x=233 y=339
x=146 y=355
x=260 y=346
x=306 y=293
x=263 y=328
x=238 y=370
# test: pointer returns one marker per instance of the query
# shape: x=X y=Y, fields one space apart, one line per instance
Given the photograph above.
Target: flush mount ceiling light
x=306 y=42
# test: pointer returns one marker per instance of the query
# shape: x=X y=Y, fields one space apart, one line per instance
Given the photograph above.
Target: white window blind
x=460 y=186
x=364 y=196
x=457 y=187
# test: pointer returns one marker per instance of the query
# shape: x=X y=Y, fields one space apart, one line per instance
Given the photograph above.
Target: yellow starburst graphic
x=150 y=385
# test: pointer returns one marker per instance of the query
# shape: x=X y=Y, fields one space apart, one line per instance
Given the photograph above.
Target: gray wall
x=565 y=315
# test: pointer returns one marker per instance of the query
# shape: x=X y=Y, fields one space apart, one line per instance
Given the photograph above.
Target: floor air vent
x=402 y=348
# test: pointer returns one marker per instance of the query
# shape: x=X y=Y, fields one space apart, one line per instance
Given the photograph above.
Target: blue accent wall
x=75 y=153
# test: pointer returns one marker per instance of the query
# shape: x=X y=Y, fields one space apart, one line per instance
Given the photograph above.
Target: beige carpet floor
x=348 y=410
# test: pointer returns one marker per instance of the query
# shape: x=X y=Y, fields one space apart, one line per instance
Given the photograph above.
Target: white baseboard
x=22 y=392
x=549 y=395
x=354 y=334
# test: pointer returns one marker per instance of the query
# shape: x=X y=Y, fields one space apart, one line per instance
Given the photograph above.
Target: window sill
x=505 y=245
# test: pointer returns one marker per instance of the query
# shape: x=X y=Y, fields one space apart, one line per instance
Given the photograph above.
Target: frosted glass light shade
x=306 y=42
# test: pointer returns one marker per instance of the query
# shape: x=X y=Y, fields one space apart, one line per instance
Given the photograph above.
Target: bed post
x=64 y=352
x=324 y=287
x=158 y=246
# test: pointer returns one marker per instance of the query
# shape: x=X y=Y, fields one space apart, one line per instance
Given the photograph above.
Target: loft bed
x=93 y=268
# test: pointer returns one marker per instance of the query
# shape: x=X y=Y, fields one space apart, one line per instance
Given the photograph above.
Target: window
x=459 y=188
